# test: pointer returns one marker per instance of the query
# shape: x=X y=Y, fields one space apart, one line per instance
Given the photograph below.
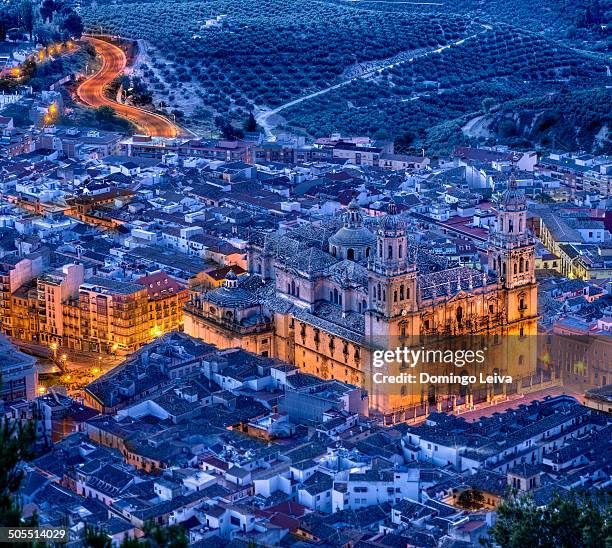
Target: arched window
x=503 y=269
x=459 y=315
x=510 y=225
x=340 y=298
x=515 y=268
x=331 y=296
x=293 y=287
x=367 y=251
x=350 y=254
x=526 y=266
x=521 y=264
x=380 y=253
x=289 y=288
x=399 y=251
x=408 y=292
x=334 y=250
x=379 y=292
x=384 y=296
x=389 y=251
x=402 y=292
x=395 y=296
x=335 y=296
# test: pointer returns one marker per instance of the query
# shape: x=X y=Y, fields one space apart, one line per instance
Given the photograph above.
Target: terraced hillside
x=264 y=52
x=407 y=70
x=482 y=74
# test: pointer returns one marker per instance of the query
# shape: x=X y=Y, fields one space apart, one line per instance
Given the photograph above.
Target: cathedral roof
x=349 y=273
x=311 y=261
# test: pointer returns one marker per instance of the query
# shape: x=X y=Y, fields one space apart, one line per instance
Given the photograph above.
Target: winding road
x=91 y=92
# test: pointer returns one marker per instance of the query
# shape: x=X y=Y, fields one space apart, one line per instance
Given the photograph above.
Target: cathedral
x=326 y=297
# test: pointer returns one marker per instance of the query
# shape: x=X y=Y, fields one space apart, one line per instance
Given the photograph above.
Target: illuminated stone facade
x=325 y=297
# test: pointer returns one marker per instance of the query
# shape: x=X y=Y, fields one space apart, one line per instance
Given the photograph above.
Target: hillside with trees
x=415 y=72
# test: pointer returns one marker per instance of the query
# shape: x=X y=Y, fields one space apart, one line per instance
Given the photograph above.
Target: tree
x=487 y=104
x=96 y=538
x=46 y=10
x=28 y=68
x=104 y=114
x=227 y=129
x=16 y=443
x=574 y=520
x=471 y=499
x=250 y=124
x=382 y=135
x=172 y=536
x=72 y=24
x=26 y=13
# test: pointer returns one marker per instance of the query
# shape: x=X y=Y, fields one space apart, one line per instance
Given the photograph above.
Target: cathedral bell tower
x=392 y=278
x=511 y=249
x=511 y=257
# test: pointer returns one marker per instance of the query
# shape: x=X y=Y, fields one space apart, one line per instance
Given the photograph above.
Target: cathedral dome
x=353 y=237
x=392 y=223
x=230 y=295
x=353 y=240
x=513 y=198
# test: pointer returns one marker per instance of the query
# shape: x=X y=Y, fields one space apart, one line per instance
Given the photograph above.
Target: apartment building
x=166 y=298
x=113 y=315
x=54 y=289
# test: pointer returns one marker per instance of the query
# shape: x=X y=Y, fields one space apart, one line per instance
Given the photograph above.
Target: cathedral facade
x=325 y=298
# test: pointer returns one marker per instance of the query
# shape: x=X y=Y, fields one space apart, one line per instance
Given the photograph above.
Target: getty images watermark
x=411 y=358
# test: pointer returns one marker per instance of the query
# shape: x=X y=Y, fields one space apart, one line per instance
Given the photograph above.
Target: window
x=390 y=252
